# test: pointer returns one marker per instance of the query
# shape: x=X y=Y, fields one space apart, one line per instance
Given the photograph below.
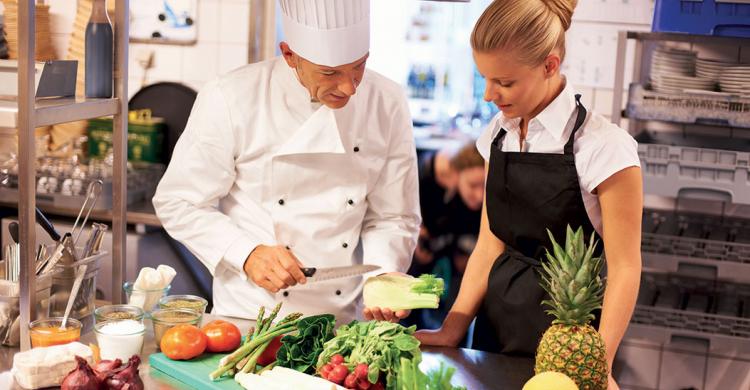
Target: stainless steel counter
x=474 y=369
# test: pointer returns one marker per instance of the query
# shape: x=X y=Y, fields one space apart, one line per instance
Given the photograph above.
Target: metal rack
x=693 y=310
x=31 y=114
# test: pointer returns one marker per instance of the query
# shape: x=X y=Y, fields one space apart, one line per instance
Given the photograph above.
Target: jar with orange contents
x=47 y=332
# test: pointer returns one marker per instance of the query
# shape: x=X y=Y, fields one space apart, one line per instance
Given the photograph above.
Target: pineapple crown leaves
x=571 y=278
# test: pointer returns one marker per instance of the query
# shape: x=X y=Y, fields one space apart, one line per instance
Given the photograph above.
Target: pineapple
x=571 y=345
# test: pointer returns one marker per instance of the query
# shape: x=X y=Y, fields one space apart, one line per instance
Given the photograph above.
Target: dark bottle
x=99 y=52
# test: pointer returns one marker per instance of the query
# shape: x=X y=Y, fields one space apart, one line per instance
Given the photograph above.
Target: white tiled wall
x=222 y=44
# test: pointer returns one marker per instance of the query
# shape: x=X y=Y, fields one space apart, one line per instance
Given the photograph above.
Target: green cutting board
x=194 y=372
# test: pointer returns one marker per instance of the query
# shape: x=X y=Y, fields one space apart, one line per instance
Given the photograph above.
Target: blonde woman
x=550 y=163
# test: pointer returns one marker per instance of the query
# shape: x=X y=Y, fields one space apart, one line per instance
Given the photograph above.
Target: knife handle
x=46 y=225
x=308 y=272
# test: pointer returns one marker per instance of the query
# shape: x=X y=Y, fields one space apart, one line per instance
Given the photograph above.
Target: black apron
x=527 y=193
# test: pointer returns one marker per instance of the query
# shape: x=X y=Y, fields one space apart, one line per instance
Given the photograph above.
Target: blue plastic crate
x=729 y=18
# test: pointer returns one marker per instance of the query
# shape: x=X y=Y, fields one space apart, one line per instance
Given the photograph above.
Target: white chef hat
x=327 y=32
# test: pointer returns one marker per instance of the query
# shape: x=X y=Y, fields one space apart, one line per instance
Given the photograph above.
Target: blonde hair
x=467 y=157
x=532 y=27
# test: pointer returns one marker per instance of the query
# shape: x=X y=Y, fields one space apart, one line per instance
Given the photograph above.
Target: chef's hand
x=384 y=313
x=274 y=268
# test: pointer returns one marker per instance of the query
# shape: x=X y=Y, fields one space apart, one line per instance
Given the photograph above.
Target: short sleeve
x=603 y=153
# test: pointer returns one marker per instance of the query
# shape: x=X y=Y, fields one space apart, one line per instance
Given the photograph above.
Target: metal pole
x=622 y=41
x=120 y=145
x=268 y=34
x=26 y=164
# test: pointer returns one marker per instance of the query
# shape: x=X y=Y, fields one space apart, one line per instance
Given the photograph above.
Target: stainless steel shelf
x=54 y=111
x=138 y=213
x=692 y=38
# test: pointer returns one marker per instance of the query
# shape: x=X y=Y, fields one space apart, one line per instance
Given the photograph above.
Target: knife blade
x=328 y=273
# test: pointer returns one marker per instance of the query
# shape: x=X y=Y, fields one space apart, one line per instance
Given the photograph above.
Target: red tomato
x=183 y=342
x=351 y=381
x=338 y=374
x=337 y=359
x=377 y=386
x=269 y=354
x=222 y=336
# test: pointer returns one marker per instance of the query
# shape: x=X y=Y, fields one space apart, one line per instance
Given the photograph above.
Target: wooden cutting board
x=193 y=373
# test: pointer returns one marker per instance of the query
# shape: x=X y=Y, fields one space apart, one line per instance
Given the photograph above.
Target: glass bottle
x=99 y=52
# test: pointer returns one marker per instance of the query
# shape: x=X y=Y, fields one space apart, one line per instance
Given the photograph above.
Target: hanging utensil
x=92 y=195
x=47 y=225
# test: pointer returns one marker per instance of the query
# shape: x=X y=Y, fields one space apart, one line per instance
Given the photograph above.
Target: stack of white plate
x=677 y=83
x=673 y=70
x=711 y=69
x=736 y=80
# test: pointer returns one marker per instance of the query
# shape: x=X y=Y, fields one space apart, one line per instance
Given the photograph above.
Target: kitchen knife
x=320 y=274
x=47 y=225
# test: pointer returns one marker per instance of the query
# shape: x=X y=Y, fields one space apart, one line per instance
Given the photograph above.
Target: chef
x=306 y=159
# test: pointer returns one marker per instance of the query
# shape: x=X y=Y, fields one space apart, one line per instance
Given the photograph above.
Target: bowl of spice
x=191 y=302
x=47 y=332
x=118 y=312
x=164 y=319
x=119 y=339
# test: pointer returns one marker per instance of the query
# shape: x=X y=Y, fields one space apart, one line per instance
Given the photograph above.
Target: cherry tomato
x=361 y=370
x=269 y=354
x=222 y=336
x=337 y=359
x=338 y=374
x=183 y=342
x=351 y=381
x=377 y=386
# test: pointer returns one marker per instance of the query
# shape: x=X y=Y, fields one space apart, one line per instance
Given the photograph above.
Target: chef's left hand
x=384 y=313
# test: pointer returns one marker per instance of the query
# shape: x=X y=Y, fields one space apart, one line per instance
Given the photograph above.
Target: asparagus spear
x=250 y=365
x=232 y=359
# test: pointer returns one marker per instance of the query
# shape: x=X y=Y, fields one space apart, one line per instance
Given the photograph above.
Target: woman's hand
x=437 y=337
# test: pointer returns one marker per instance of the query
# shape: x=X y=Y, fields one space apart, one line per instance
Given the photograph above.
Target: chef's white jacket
x=259 y=164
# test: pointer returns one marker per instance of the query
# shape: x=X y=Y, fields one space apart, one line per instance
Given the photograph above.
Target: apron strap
x=496 y=142
x=580 y=118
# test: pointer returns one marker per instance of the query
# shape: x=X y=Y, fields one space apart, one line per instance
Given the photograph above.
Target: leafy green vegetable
x=379 y=344
x=300 y=351
x=400 y=292
x=412 y=378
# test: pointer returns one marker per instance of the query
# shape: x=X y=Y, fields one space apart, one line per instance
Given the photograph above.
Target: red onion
x=81 y=378
x=126 y=378
x=106 y=367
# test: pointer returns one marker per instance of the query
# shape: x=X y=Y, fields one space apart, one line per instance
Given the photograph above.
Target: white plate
x=705 y=92
x=672 y=52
